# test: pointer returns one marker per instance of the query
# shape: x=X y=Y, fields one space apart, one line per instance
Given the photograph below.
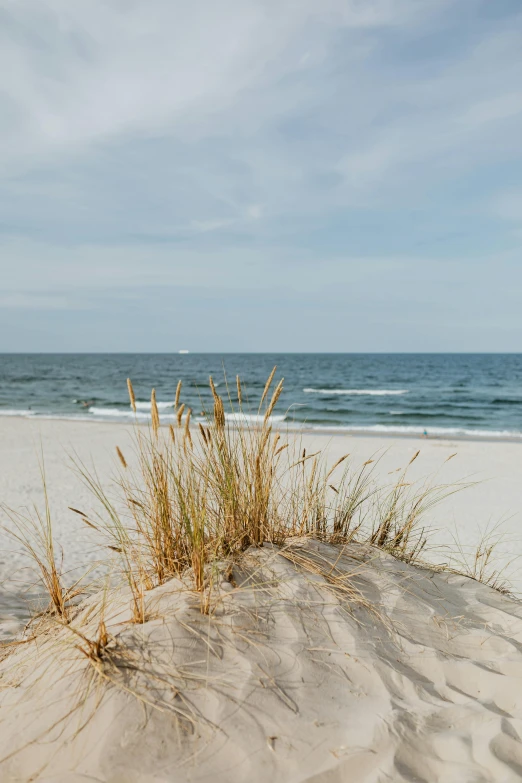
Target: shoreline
x=297 y=428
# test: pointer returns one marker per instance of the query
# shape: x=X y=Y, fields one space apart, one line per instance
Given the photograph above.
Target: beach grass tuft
x=187 y=500
x=225 y=485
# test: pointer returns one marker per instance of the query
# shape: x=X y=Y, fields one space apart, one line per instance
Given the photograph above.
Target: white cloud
x=255 y=211
x=508 y=206
x=72 y=74
x=204 y=226
x=244 y=141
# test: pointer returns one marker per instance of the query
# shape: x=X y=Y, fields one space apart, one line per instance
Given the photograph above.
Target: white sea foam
x=144 y=415
x=15 y=412
x=118 y=413
x=371 y=392
x=382 y=429
x=251 y=418
x=443 y=432
x=145 y=406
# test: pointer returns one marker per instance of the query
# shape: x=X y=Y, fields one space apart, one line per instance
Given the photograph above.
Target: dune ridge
x=317 y=663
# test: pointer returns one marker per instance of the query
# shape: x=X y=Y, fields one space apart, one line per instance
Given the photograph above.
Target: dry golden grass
x=33 y=531
x=191 y=496
x=191 y=500
x=489 y=561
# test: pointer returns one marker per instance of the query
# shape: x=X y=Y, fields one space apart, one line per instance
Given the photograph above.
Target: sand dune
x=315 y=664
x=497 y=466
x=338 y=668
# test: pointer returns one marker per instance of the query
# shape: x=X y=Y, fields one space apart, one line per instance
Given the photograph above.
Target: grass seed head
x=219 y=413
x=268 y=384
x=213 y=388
x=275 y=397
x=154 y=412
x=131 y=395
x=187 y=434
x=178 y=392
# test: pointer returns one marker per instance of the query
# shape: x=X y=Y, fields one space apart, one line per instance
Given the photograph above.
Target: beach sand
x=417 y=676
x=290 y=679
x=497 y=466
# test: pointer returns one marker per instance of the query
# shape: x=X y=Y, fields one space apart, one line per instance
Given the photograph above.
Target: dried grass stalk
x=239 y=486
x=267 y=385
x=155 y=419
x=178 y=392
x=131 y=394
x=273 y=401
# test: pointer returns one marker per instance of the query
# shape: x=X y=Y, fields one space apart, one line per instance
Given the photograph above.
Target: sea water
x=474 y=395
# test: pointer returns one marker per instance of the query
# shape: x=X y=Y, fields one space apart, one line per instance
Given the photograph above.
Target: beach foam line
x=117 y=413
x=145 y=406
x=253 y=418
x=446 y=432
x=144 y=415
x=94 y=413
x=16 y=412
x=371 y=392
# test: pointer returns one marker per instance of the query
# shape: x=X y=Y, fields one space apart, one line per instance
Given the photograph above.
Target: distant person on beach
x=425 y=434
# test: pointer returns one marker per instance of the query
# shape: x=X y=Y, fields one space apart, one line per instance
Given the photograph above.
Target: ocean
x=473 y=395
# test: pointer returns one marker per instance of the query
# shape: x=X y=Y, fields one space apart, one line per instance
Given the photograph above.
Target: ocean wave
x=16 y=412
x=118 y=413
x=145 y=406
x=144 y=415
x=251 y=418
x=371 y=392
x=94 y=413
x=446 y=432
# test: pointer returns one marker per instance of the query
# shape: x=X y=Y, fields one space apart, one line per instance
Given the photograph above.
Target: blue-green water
x=452 y=394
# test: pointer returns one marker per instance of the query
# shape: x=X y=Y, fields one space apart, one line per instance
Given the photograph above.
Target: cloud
x=76 y=74
x=308 y=144
x=508 y=206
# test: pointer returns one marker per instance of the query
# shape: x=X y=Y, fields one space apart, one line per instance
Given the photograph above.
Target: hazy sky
x=293 y=175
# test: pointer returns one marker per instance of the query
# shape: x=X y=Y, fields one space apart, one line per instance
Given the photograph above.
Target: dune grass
x=32 y=529
x=187 y=504
x=190 y=496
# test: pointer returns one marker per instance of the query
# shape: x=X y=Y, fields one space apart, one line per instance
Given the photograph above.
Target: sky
x=261 y=175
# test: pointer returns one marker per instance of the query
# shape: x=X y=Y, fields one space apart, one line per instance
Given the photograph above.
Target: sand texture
x=312 y=663
x=496 y=465
x=316 y=665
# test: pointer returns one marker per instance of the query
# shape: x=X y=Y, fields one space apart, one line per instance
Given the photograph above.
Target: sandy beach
x=261 y=392
x=496 y=466
x=314 y=663
x=297 y=676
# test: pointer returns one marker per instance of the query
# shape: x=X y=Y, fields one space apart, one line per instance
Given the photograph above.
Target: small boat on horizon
x=183 y=351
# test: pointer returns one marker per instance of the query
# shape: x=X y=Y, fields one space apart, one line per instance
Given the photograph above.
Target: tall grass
x=33 y=531
x=192 y=495
x=487 y=561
